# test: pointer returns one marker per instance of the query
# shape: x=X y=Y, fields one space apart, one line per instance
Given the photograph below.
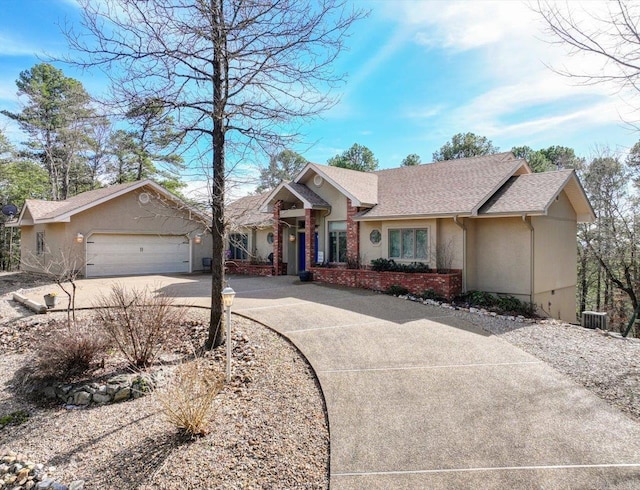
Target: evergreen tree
x=358 y=157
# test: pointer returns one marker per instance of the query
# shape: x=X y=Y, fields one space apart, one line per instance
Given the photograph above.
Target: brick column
x=309 y=236
x=353 y=233
x=278 y=266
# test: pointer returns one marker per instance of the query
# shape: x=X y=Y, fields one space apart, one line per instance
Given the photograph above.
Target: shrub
x=480 y=299
x=187 y=399
x=510 y=304
x=390 y=265
x=502 y=304
x=396 y=290
x=137 y=321
x=70 y=352
x=382 y=265
x=431 y=294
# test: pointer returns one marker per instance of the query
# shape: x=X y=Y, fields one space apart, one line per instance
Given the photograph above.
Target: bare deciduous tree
x=613 y=36
x=64 y=267
x=236 y=75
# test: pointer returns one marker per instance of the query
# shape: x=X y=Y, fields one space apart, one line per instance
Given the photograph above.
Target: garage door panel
x=114 y=255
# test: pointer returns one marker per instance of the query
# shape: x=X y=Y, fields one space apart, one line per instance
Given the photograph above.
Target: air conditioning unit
x=595 y=319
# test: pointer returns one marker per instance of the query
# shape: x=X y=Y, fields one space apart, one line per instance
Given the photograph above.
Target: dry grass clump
x=70 y=351
x=188 y=397
x=137 y=321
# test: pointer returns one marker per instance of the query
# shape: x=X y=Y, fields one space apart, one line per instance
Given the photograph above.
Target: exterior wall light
x=79 y=238
x=292 y=238
x=197 y=239
x=227 y=300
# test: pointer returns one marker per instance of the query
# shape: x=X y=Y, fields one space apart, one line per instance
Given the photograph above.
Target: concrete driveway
x=418 y=398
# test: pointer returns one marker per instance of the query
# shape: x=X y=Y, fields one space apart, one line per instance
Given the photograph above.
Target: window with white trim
x=337 y=241
x=409 y=244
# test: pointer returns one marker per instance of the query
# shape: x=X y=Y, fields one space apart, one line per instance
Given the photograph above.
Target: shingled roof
x=246 y=212
x=41 y=211
x=534 y=193
x=452 y=187
x=360 y=187
x=496 y=184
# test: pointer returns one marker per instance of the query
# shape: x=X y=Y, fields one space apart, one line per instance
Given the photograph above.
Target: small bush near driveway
x=137 y=321
x=70 y=351
x=187 y=399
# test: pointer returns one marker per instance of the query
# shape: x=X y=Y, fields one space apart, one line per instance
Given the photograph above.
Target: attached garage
x=124 y=229
x=129 y=254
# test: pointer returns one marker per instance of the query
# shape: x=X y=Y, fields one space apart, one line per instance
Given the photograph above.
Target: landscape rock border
x=114 y=390
x=19 y=473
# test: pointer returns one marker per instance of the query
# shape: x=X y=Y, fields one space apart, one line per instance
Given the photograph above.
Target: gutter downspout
x=532 y=261
x=464 y=252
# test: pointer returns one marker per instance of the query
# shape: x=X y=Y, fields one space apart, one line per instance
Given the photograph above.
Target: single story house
x=132 y=228
x=488 y=221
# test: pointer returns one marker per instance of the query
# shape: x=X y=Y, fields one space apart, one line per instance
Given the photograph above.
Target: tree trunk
x=584 y=288
x=215 y=337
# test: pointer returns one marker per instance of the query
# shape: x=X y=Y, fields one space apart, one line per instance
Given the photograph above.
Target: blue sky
x=419 y=72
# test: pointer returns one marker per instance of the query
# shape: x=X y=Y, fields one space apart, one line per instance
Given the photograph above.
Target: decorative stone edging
x=116 y=389
x=18 y=473
x=473 y=310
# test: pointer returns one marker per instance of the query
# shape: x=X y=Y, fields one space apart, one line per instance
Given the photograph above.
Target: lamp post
x=227 y=300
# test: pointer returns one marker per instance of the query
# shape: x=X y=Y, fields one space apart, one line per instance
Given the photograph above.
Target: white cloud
x=10 y=46
x=506 y=39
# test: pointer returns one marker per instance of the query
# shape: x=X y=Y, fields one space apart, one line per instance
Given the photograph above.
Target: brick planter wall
x=248 y=269
x=446 y=285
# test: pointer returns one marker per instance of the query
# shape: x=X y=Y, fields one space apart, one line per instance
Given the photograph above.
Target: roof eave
x=590 y=215
x=65 y=218
x=306 y=203
x=264 y=208
x=512 y=214
x=315 y=168
x=400 y=217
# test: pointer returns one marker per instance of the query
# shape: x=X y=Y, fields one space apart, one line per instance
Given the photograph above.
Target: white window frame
x=414 y=230
x=329 y=231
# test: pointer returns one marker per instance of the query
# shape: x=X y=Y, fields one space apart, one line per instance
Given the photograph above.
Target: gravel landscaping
x=269 y=426
x=603 y=362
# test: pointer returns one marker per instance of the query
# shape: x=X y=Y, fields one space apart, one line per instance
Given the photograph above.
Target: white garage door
x=121 y=255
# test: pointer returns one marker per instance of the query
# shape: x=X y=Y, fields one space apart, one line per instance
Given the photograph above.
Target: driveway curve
x=419 y=398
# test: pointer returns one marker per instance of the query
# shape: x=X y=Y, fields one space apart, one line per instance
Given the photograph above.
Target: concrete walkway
x=418 y=398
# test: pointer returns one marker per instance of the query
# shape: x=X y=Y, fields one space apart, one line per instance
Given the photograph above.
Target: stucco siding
x=60 y=250
x=121 y=215
x=499 y=256
x=333 y=196
x=261 y=248
x=555 y=257
x=370 y=251
x=558 y=303
x=27 y=246
x=450 y=242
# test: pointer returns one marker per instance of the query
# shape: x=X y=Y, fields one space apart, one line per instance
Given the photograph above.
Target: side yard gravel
x=606 y=364
x=269 y=428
